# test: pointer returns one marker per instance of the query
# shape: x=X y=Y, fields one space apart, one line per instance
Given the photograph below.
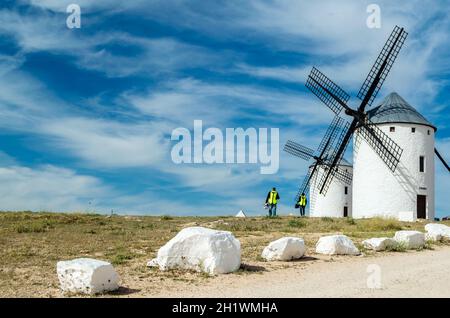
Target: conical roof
x=394 y=109
x=241 y=214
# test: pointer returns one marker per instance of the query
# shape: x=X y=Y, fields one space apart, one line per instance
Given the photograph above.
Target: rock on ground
x=378 y=243
x=87 y=276
x=152 y=263
x=336 y=245
x=432 y=236
x=410 y=239
x=201 y=249
x=435 y=229
x=284 y=249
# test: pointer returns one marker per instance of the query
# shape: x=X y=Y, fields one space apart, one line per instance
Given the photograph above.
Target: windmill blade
x=382 y=144
x=330 y=135
x=442 y=159
x=343 y=176
x=336 y=157
x=304 y=188
x=326 y=179
x=382 y=66
x=327 y=91
x=298 y=150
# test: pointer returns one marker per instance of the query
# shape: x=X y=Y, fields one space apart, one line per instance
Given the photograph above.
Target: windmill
x=336 y=99
x=321 y=157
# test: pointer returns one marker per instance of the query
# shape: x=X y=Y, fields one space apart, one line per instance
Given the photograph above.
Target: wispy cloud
x=47 y=188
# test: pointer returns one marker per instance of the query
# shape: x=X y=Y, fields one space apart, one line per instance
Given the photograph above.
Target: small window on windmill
x=413 y=129
x=428 y=132
x=421 y=164
x=392 y=129
x=346 y=190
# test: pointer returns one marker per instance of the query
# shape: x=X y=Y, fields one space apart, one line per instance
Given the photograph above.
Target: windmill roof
x=394 y=109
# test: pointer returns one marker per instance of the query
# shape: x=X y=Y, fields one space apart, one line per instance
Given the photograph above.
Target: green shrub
x=397 y=247
x=297 y=223
x=35 y=227
x=351 y=221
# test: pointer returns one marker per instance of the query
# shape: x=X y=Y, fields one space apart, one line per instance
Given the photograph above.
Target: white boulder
x=432 y=236
x=201 y=249
x=284 y=249
x=336 y=245
x=87 y=276
x=152 y=263
x=410 y=239
x=435 y=229
x=378 y=243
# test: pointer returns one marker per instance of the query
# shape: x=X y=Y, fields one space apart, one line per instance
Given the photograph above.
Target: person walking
x=272 y=200
x=302 y=201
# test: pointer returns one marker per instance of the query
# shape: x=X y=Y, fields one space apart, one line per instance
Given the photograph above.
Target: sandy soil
x=411 y=274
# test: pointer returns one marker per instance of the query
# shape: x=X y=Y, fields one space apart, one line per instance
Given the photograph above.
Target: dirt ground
x=32 y=243
x=411 y=274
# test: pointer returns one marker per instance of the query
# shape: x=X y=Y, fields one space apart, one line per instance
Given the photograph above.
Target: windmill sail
x=442 y=159
x=336 y=157
x=298 y=150
x=330 y=135
x=343 y=175
x=327 y=91
x=384 y=146
x=382 y=66
x=304 y=188
x=322 y=152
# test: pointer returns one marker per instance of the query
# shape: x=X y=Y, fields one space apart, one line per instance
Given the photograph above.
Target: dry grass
x=32 y=243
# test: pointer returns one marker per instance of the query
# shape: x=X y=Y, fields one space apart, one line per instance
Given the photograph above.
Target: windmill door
x=345 y=211
x=421 y=206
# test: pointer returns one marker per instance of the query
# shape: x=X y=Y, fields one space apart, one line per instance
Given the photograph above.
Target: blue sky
x=87 y=113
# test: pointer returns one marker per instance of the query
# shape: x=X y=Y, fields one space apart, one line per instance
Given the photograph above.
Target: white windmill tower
x=338 y=200
x=408 y=192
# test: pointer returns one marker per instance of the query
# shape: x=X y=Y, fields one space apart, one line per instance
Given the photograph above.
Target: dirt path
x=412 y=274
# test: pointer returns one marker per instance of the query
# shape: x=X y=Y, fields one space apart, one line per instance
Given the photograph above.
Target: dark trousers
x=302 y=210
x=272 y=210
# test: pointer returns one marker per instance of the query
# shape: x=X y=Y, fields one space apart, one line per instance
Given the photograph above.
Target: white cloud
x=155 y=56
x=27 y=106
x=108 y=144
x=47 y=188
x=86 y=5
x=224 y=105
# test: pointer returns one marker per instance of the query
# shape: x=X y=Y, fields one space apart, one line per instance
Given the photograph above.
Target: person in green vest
x=272 y=200
x=302 y=201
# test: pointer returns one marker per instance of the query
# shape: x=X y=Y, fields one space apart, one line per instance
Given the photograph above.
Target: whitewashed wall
x=379 y=192
x=332 y=204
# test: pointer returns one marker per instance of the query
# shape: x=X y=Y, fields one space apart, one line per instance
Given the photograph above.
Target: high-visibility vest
x=273 y=197
x=302 y=201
